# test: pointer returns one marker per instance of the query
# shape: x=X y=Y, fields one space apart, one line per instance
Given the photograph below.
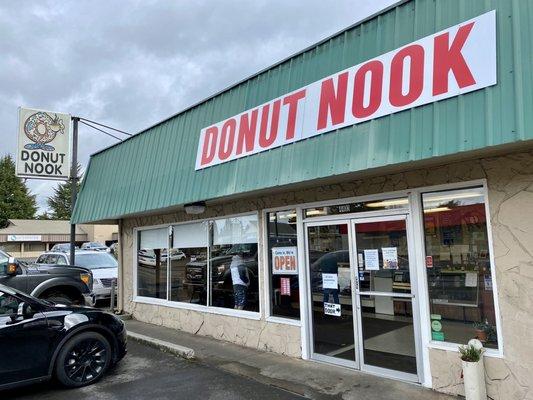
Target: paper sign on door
x=330 y=281
x=371 y=260
x=332 y=309
x=390 y=257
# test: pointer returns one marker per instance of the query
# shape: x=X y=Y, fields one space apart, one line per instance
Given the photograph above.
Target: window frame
x=418 y=193
x=267 y=282
x=254 y=315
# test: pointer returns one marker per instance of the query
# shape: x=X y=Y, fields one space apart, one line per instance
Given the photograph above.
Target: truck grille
x=107 y=281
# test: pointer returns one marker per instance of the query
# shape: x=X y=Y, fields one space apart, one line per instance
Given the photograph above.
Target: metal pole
x=74 y=187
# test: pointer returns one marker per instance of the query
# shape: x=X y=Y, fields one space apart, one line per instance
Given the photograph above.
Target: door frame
x=414 y=300
x=322 y=357
x=351 y=220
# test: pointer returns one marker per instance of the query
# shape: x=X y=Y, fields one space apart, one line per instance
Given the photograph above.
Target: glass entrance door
x=331 y=293
x=385 y=297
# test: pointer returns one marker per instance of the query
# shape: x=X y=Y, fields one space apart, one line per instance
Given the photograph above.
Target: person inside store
x=240 y=280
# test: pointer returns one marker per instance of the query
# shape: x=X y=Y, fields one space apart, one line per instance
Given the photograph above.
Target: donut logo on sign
x=41 y=128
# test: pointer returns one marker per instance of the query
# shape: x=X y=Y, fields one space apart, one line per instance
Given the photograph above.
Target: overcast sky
x=132 y=63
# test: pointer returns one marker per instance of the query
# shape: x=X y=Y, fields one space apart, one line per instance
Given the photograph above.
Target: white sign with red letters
x=457 y=60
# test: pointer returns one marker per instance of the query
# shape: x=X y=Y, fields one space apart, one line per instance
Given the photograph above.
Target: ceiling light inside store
x=388 y=203
x=312 y=213
x=436 y=209
x=454 y=196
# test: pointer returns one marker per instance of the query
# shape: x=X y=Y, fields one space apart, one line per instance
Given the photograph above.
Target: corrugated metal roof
x=39 y=227
x=155 y=169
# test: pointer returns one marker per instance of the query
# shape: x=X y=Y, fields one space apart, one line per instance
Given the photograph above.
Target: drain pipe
x=120 y=286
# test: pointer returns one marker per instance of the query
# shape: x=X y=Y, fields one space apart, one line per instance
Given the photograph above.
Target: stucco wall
x=510 y=184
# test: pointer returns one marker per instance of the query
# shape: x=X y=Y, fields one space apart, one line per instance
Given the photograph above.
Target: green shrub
x=470 y=353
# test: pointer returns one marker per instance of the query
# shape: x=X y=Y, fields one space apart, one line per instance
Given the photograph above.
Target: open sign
x=284 y=261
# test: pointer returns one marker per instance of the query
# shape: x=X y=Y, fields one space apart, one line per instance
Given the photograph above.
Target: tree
x=16 y=201
x=60 y=202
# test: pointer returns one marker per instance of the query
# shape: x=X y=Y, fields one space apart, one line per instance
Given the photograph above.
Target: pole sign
x=43 y=144
x=457 y=60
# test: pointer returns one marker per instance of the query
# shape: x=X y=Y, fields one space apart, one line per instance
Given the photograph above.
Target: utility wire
x=105 y=126
x=101 y=130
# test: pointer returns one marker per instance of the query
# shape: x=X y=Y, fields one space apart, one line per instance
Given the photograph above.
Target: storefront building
x=366 y=203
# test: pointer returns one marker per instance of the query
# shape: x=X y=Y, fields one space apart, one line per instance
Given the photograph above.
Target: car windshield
x=96 y=260
x=3 y=257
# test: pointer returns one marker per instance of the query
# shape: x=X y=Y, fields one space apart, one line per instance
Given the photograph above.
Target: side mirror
x=12 y=267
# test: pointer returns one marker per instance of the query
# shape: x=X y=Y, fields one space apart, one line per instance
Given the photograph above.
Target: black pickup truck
x=62 y=284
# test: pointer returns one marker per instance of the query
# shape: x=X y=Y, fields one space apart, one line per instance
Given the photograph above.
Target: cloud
x=132 y=63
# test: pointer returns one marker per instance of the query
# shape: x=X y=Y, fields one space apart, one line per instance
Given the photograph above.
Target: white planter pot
x=474 y=378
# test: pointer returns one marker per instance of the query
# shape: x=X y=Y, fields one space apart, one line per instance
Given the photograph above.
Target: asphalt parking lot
x=147 y=373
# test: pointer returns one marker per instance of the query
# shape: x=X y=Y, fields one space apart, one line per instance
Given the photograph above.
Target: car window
x=42 y=259
x=61 y=260
x=96 y=260
x=52 y=259
x=8 y=304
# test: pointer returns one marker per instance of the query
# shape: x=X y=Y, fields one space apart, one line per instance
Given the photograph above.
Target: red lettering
x=332 y=102
x=247 y=128
x=375 y=68
x=448 y=58
x=265 y=141
x=227 y=138
x=210 y=145
x=292 y=100
x=416 y=76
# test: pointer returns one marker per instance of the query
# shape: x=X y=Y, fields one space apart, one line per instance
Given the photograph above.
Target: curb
x=172 y=348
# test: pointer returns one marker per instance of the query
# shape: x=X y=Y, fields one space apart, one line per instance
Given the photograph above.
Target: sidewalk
x=309 y=379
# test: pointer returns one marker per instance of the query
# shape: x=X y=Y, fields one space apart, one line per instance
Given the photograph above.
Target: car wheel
x=83 y=360
x=59 y=298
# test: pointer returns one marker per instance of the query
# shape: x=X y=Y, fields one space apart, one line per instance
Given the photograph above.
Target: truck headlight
x=85 y=278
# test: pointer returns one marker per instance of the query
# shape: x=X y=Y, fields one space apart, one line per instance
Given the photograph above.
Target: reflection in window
x=458 y=267
x=152 y=263
x=283 y=264
x=188 y=263
x=233 y=261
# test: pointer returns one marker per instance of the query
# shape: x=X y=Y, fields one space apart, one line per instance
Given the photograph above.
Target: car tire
x=83 y=360
x=59 y=298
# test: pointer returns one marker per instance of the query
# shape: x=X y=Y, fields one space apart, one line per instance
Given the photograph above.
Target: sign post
x=74 y=187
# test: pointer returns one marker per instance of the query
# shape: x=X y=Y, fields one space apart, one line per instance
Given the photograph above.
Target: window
x=99 y=260
x=373 y=205
x=52 y=259
x=458 y=267
x=209 y=263
x=233 y=262
x=34 y=246
x=152 y=263
x=10 y=247
x=61 y=260
x=283 y=264
x=8 y=304
x=188 y=263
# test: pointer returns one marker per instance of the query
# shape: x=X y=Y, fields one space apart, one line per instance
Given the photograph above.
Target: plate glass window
x=283 y=264
x=152 y=263
x=233 y=261
x=349 y=208
x=458 y=267
x=188 y=263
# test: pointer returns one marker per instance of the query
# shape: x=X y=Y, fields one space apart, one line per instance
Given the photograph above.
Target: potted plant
x=485 y=332
x=473 y=370
x=481 y=329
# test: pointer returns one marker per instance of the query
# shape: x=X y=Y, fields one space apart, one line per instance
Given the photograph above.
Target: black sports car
x=40 y=340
